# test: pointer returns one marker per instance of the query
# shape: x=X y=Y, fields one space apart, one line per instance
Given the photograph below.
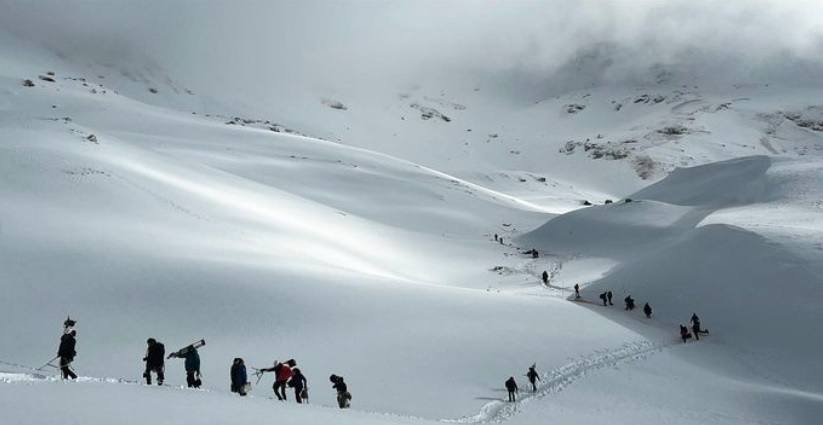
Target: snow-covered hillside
x=355 y=232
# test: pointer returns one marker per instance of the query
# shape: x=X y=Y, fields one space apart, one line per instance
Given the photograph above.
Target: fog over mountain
x=522 y=49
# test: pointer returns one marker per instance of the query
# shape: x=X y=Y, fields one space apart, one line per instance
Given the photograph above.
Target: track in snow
x=558 y=379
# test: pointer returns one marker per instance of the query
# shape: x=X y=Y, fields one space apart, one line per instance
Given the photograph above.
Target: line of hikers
x=286 y=373
x=606 y=297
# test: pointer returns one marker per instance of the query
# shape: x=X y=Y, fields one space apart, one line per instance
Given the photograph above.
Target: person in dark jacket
x=343 y=394
x=545 y=277
x=604 y=299
x=609 y=296
x=696 y=329
x=684 y=333
x=155 y=360
x=511 y=387
x=533 y=376
x=647 y=310
x=192 y=364
x=239 y=379
x=67 y=352
x=299 y=383
x=576 y=291
x=629 y=302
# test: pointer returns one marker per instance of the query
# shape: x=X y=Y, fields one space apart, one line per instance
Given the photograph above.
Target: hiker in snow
x=282 y=374
x=192 y=365
x=501 y=240
x=629 y=302
x=696 y=327
x=239 y=379
x=609 y=296
x=647 y=309
x=511 y=387
x=545 y=277
x=66 y=352
x=535 y=254
x=343 y=394
x=300 y=385
x=603 y=297
x=533 y=376
x=155 y=360
x=684 y=333
x=495 y=237
x=576 y=291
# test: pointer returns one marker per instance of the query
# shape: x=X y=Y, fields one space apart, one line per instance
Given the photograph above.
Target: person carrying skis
x=155 y=360
x=576 y=291
x=511 y=387
x=67 y=352
x=239 y=379
x=300 y=385
x=647 y=309
x=533 y=376
x=629 y=302
x=343 y=394
x=545 y=277
x=609 y=296
x=604 y=299
x=696 y=329
x=684 y=333
x=192 y=364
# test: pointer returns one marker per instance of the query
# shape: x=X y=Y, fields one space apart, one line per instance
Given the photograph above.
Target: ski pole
x=48 y=363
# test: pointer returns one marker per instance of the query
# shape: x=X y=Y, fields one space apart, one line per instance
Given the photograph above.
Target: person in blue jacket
x=239 y=379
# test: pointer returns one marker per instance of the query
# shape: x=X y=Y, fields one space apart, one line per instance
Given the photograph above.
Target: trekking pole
x=48 y=363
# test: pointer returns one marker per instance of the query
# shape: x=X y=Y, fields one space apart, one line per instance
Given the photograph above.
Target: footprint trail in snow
x=559 y=378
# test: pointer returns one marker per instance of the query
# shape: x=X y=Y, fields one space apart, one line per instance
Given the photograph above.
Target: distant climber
x=629 y=302
x=605 y=300
x=535 y=254
x=155 y=360
x=696 y=327
x=545 y=277
x=300 y=385
x=67 y=352
x=239 y=379
x=684 y=333
x=501 y=240
x=533 y=376
x=576 y=291
x=511 y=387
x=647 y=310
x=495 y=237
x=343 y=394
x=609 y=296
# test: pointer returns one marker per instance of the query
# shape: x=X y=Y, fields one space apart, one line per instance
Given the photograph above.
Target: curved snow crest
x=718 y=184
x=558 y=379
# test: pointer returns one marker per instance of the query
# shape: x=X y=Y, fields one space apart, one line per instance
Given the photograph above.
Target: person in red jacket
x=282 y=374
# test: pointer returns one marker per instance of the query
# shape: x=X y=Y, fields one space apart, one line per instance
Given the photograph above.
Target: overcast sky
x=521 y=45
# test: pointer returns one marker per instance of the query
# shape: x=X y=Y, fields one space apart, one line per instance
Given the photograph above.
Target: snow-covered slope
x=354 y=234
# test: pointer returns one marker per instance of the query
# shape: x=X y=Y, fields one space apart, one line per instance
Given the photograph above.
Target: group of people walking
x=286 y=373
x=511 y=383
x=607 y=296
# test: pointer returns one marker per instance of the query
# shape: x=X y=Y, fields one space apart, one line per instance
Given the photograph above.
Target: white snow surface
x=363 y=247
